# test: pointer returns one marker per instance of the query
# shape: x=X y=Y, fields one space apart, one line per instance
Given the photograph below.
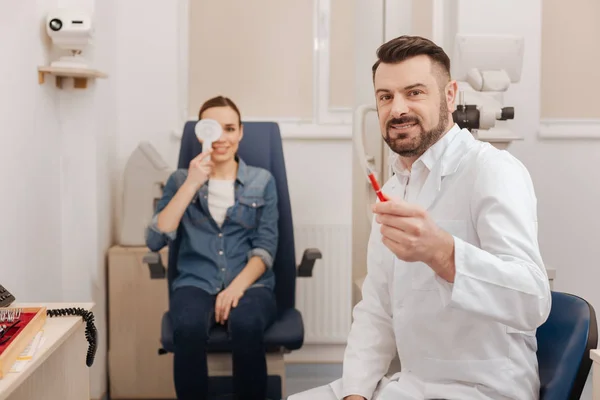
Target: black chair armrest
x=157 y=268
x=308 y=262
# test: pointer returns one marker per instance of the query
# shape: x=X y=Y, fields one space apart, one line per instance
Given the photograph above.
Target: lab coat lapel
x=446 y=165
x=431 y=188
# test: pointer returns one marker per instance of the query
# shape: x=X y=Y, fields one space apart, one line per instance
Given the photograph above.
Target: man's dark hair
x=405 y=47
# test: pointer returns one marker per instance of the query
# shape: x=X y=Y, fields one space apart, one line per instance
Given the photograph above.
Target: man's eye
x=414 y=93
x=385 y=97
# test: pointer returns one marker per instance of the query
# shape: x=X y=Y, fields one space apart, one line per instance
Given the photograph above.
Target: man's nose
x=399 y=107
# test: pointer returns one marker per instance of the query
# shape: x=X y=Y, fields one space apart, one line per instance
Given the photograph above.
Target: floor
x=302 y=377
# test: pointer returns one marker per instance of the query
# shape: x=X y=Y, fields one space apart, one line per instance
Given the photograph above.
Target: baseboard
x=569 y=128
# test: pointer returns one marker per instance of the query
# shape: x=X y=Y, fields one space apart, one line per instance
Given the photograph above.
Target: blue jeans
x=192 y=312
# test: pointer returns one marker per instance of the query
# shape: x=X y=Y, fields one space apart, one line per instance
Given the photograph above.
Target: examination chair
x=260 y=147
x=564 y=344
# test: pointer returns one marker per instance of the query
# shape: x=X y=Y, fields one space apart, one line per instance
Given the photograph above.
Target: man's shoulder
x=486 y=157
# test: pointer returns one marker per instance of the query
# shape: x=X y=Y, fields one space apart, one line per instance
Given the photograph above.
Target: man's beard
x=425 y=139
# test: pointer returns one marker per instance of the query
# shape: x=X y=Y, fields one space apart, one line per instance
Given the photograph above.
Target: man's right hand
x=354 y=397
x=200 y=169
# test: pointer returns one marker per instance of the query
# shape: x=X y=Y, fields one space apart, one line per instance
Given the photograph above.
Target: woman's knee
x=192 y=330
x=190 y=312
x=246 y=327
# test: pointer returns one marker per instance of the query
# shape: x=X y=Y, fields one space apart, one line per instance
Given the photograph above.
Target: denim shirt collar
x=242 y=174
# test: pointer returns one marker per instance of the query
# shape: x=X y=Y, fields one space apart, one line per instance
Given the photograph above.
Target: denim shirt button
x=220 y=252
x=254 y=205
x=220 y=235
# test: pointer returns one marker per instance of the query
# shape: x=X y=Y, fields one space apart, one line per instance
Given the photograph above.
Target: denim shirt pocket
x=248 y=211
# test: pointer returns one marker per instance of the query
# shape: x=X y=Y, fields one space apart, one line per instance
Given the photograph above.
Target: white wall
x=55 y=168
x=30 y=161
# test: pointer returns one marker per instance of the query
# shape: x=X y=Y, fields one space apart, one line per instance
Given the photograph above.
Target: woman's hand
x=226 y=300
x=200 y=169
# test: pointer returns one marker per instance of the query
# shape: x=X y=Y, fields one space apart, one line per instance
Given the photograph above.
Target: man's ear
x=451 y=93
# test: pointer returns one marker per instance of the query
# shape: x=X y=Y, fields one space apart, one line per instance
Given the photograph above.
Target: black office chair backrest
x=564 y=344
x=260 y=147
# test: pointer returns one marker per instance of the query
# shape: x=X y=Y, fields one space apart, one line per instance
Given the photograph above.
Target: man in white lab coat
x=456 y=285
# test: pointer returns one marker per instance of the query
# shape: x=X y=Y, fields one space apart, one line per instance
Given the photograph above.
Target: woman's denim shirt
x=211 y=257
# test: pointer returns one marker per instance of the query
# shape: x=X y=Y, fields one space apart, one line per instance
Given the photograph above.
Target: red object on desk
x=24 y=318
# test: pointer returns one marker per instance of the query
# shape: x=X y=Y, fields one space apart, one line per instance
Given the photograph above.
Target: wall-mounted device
x=71 y=30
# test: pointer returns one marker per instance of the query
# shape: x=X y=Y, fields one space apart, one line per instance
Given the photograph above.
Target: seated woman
x=226 y=214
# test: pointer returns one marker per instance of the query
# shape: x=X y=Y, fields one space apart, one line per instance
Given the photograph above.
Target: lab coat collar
x=444 y=157
x=431 y=155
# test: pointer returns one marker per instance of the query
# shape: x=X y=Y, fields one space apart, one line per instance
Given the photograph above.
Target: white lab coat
x=474 y=339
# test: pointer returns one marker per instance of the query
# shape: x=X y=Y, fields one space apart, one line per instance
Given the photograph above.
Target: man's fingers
x=396 y=235
x=400 y=208
x=410 y=225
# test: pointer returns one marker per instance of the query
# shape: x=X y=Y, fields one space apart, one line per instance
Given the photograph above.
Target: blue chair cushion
x=287 y=332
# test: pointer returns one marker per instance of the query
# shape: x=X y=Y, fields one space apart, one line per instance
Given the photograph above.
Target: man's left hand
x=226 y=300
x=412 y=235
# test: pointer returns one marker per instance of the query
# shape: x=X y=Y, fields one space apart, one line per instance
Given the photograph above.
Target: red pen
x=375 y=185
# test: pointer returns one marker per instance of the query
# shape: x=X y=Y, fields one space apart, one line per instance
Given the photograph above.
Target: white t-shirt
x=221 y=196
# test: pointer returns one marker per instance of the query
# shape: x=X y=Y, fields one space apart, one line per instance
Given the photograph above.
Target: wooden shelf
x=80 y=76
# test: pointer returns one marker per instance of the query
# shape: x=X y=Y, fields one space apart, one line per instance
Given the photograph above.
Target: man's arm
x=371 y=343
x=504 y=278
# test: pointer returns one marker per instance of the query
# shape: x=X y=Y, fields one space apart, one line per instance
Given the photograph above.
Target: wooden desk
x=595 y=356
x=58 y=370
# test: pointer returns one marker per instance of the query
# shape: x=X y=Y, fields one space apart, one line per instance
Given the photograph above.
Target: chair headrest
x=257 y=147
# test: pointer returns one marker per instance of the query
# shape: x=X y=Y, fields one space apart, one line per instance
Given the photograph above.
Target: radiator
x=325 y=299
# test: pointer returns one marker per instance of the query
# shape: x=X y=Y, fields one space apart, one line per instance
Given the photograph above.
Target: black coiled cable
x=91 y=333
